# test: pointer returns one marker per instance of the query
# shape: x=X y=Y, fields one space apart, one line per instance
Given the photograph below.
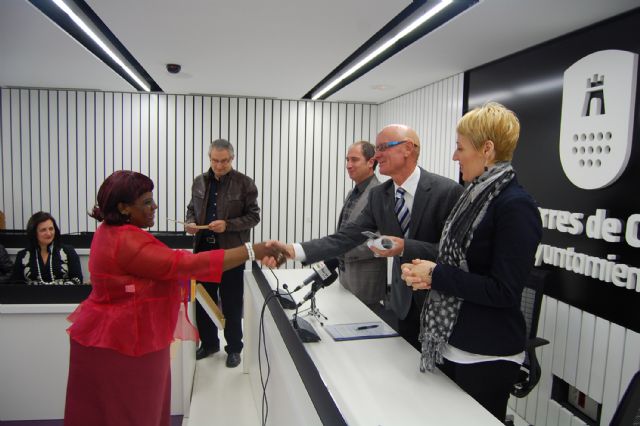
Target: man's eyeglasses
x=222 y=162
x=385 y=146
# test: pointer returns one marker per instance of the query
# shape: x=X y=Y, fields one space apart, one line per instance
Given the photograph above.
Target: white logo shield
x=596 y=130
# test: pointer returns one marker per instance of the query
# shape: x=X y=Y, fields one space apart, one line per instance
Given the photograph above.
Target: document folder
x=360 y=330
x=210 y=307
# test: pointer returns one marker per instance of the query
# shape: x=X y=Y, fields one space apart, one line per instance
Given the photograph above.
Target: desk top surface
x=377 y=381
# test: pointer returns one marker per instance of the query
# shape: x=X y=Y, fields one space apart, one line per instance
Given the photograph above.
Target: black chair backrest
x=628 y=411
x=531 y=302
x=531 y=305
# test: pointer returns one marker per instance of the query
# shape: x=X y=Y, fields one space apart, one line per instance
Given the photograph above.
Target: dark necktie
x=402 y=212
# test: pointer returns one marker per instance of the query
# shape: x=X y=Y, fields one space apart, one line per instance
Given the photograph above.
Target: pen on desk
x=366 y=327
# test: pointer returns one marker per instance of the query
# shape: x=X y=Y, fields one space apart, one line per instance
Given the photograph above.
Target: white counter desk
x=370 y=382
x=34 y=363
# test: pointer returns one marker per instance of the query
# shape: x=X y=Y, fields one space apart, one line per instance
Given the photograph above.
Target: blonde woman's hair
x=494 y=122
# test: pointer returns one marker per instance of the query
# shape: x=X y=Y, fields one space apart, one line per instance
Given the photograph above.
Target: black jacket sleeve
x=75 y=268
x=17 y=276
x=507 y=257
x=6 y=266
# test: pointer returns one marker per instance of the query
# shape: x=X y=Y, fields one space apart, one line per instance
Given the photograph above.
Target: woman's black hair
x=122 y=186
x=32 y=228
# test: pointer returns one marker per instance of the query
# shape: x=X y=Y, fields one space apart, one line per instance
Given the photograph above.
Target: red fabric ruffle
x=135 y=300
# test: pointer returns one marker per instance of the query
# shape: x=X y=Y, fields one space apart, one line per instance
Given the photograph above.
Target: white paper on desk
x=342 y=332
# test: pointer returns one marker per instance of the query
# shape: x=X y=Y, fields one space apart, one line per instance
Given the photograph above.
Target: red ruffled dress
x=119 y=370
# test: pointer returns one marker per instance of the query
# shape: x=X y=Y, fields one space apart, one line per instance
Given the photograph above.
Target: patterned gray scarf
x=440 y=311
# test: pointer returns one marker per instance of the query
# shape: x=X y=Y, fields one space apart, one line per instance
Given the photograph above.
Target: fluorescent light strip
x=62 y=5
x=412 y=26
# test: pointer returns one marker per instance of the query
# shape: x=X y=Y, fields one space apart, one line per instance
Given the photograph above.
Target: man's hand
x=286 y=248
x=285 y=251
x=218 y=226
x=272 y=253
x=190 y=228
x=396 y=250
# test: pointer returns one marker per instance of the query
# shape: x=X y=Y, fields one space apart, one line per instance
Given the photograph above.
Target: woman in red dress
x=119 y=371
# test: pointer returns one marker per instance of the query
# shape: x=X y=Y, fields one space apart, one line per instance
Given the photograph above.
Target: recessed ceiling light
x=415 y=21
x=78 y=20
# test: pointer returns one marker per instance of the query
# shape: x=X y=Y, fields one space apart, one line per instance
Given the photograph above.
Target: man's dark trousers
x=231 y=291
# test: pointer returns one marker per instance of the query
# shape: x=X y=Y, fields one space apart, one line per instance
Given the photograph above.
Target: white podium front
x=369 y=382
x=34 y=363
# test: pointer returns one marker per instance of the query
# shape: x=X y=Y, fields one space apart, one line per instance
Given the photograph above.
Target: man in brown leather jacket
x=226 y=201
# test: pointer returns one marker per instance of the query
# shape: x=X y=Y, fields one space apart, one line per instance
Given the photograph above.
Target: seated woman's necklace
x=40 y=280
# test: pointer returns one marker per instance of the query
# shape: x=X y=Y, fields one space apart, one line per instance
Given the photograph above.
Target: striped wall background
x=58 y=146
x=433 y=111
x=596 y=356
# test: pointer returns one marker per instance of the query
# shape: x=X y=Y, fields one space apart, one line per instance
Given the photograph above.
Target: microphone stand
x=305 y=330
x=315 y=312
x=284 y=297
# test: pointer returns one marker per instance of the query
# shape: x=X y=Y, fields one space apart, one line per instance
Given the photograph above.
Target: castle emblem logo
x=596 y=130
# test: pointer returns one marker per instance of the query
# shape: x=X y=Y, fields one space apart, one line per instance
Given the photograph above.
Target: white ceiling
x=277 y=48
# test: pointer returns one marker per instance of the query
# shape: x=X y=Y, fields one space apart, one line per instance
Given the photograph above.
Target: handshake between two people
x=270 y=253
x=283 y=251
x=417 y=274
x=275 y=253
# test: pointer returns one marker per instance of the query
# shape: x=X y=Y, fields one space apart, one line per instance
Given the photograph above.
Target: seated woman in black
x=46 y=260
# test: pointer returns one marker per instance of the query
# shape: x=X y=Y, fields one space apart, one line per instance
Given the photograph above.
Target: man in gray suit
x=423 y=198
x=361 y=272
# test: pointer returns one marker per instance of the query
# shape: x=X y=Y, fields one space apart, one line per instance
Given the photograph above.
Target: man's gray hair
x=222 y=144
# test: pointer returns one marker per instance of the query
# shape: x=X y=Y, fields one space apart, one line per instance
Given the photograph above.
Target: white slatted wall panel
x=433 y=111
x=593 y=354
x=59 y=145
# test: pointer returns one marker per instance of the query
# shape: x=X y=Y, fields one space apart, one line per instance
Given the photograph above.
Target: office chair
x=531 y=304
x=628 y=411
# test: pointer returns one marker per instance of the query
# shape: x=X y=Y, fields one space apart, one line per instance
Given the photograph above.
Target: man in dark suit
x=361 y=272
x=423 y=200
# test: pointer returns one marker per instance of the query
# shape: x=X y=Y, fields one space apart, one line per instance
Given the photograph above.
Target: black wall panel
x=530 y=83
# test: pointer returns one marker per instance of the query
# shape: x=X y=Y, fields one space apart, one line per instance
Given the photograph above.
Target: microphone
x=306 y=297
x=284 y=297
x=318 y=282
x=323 y=275
x=321 y=272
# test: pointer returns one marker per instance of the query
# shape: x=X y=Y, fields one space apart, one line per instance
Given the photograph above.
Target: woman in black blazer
x=471 y=323
x=46 y=260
